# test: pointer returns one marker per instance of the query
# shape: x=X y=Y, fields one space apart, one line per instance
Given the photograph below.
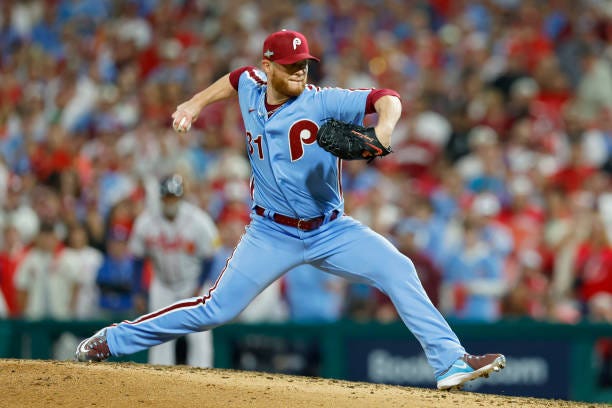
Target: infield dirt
x=37 y=383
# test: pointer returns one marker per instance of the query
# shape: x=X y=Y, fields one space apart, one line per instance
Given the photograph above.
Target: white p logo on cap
x=296 y=42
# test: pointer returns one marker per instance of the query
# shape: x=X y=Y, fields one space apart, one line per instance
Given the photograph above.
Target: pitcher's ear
x=266 y=64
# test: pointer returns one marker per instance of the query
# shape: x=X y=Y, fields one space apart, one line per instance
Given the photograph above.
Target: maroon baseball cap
x=286 y=47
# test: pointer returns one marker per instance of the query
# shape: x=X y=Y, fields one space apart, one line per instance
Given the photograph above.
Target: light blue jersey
x=292 y=174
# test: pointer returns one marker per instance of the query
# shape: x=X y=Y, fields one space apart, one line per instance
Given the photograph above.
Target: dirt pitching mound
x=36 y=383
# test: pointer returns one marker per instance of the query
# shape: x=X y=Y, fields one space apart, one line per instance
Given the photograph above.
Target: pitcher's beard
x=288 y=88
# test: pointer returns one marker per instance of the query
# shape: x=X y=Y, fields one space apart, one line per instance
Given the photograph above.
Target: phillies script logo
x=302 y=132
x=296 y=42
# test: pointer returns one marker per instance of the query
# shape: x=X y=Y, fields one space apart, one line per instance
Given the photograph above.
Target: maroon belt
x=299 y=223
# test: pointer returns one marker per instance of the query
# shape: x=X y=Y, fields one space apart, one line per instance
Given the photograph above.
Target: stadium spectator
x=523 y=216
x=46 y=283
x=529 y=296
x=120 y=288
x=87 y=261
x=13 y=250
x=473 y=279
x=594 y=273
x=18 y=212
x=594 y=92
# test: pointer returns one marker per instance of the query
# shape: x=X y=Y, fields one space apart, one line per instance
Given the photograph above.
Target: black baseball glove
x=350 y=142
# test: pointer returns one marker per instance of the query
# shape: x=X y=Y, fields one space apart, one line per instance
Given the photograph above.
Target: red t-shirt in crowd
x=594 y=266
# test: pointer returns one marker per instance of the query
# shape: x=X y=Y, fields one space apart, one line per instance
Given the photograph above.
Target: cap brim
x=292 y=59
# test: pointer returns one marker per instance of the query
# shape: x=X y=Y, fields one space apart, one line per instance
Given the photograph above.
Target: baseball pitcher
x=296 y=135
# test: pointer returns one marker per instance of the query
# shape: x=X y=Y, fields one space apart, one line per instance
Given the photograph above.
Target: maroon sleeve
x=234 y=76
x=375 y=95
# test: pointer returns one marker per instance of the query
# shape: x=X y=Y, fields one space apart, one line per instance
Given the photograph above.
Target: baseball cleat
x=94 y=348
x=468 y=368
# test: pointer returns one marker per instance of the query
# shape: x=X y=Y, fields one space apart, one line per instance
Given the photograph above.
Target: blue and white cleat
x=94 y=348
x=468 y=368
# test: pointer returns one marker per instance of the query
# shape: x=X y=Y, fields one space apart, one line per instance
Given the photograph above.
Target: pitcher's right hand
x=184 y=116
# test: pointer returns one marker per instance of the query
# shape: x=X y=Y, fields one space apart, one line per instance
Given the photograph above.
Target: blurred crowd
x=498 y=188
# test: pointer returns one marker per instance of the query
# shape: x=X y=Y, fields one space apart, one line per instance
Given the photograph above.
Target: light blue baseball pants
x=265 y=252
